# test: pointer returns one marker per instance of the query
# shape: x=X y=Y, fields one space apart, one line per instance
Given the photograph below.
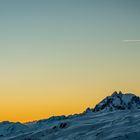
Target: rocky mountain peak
x=118 y=101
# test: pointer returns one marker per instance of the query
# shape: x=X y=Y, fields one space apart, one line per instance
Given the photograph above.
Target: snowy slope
x=101 y=124
x=10 y=128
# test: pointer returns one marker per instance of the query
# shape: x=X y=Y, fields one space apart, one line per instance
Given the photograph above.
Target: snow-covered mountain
x=117 y=117
x=118 y=101
x=11 y=128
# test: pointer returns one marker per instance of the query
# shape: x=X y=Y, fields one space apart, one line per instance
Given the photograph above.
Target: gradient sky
x=62 y=56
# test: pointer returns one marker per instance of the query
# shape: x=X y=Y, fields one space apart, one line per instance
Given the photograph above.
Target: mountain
x=118 y=101
x=11 y=128
x=117 y=117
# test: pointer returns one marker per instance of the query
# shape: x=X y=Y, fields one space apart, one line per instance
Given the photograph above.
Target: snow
x=90 y=125
x=118 y=101
x=127 y=97
x=118 y=125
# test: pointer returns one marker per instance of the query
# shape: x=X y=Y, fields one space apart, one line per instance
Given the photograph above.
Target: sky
x=61 y=56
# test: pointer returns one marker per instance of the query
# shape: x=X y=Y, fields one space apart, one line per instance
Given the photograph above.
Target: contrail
x=131 y=40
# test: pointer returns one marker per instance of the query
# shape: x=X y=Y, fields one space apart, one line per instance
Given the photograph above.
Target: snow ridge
x=115 y=117
x=118 y=101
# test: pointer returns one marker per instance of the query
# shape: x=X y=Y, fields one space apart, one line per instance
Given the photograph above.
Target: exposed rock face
x=97 y=123
x=118 y=101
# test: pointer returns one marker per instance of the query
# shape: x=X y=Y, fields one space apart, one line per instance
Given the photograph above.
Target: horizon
x=60 y=57
x=30 y=121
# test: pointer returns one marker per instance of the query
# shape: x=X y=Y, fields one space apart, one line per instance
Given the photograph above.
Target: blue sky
x=66 y=49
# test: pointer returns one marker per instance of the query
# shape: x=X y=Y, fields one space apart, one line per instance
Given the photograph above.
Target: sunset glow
x=59 y=57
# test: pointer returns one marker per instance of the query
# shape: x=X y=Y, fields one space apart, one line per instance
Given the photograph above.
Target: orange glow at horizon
x=58 y=57
x=36 y=107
